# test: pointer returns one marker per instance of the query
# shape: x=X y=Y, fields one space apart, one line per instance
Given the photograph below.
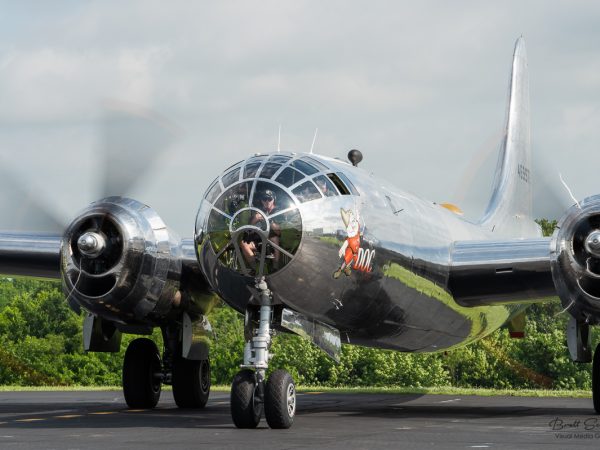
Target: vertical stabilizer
x=509 y=212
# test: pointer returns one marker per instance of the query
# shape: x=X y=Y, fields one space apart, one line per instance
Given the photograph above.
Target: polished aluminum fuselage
x=403 y=301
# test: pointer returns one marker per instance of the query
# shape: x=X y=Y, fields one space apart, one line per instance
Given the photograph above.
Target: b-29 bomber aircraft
x=312 y=245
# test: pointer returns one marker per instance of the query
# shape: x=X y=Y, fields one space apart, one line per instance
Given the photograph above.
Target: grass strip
x=444 y=390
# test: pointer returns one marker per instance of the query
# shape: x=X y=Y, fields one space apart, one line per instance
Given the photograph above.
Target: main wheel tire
x=141 y=386
x=596 y=379
x=191 y=382
x=246 y=407
x=280 y=400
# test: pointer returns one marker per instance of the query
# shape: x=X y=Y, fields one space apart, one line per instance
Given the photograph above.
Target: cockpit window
x=325 y=186
x=348 y=183
x=218 y=225
x=239 y=163
x=235 y=198
x=269 y=170
x=280 y=159
x=306 y=192
x=213 y=191
x=303 y=166
x=313 y=161
x=251 y=169
x=289 y=176
x=231 y=177
x=265 y=190
x=338 y=184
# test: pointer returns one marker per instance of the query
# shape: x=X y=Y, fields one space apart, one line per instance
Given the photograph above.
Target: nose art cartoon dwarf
x=350 y=247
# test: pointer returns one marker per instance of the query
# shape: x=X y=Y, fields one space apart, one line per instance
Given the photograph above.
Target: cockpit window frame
x=322 y=167
x=257 y=159
x=269 y=165
x=338 y=183
x=310 y=185
x=279 y=174
x=330 y=186
x=230 y=174
x=309 y=168
x=281 y=159
x=216 y=183
x=299 y=162
x=348 y=183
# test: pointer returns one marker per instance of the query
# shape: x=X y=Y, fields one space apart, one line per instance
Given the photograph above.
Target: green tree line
x=41 y=344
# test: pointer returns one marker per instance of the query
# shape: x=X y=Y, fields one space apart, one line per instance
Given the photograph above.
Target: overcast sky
x=419 y=87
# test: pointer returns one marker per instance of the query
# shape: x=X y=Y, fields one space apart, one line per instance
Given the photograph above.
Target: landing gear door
x=196 y=338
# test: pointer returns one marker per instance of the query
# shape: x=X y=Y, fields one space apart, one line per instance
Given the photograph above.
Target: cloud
x=419 y=87
x=49 y=84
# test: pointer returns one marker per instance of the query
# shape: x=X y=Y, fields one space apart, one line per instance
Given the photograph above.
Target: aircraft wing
x=566 y=265
x=491 y=272
x=30 y=254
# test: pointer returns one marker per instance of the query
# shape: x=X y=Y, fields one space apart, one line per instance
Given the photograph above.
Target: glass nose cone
x=252 y=227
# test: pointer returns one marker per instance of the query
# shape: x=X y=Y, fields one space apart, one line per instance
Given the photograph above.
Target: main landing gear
x=251 y=394
x=144 y=373
x=579 y=342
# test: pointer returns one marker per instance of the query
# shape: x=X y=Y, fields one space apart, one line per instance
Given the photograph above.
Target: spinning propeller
x=131 y=141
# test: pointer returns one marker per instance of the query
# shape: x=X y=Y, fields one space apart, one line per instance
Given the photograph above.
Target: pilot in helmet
x=267 y=203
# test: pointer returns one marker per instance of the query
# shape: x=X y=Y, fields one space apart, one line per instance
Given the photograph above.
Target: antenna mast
x=313 y=142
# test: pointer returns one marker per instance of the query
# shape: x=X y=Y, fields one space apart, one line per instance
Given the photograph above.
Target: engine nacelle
x=121 y=262
x=575 y=260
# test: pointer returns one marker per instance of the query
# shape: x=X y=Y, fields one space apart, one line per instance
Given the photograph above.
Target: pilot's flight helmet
x=268 y=194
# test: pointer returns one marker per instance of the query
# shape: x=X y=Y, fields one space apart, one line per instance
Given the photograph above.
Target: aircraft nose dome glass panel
x=249 y=223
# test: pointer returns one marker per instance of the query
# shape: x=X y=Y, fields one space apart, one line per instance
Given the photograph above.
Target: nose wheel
x=246 y=399
x=250 y=398
x=251 y=394
x=280 y=400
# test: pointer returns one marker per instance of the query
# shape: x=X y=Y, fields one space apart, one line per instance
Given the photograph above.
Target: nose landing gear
x=251 y=394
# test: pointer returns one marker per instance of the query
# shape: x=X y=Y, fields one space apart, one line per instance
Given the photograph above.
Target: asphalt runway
x=101 y=420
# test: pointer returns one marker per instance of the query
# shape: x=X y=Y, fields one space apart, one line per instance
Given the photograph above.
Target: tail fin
x=509 y=212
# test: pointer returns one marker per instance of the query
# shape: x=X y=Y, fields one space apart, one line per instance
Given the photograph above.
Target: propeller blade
x=24 y=207
x=551 y=199
x=132 y=140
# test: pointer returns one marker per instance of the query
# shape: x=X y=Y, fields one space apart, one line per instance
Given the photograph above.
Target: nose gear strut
x=251 y=393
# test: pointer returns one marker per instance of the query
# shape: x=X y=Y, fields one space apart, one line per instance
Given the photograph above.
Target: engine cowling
x=121 y=262
x=575 y=260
